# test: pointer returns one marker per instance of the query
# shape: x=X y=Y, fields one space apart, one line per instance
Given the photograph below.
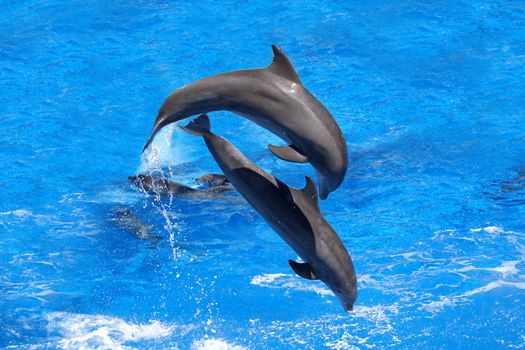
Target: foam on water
x=343 y=331
x=80 y=331
x=215 y=344
x=281 y=280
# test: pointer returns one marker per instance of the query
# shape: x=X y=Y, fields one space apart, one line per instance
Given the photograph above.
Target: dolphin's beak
x=324 y=190
x=159 y=124
x=150 y=138
x=347 y=305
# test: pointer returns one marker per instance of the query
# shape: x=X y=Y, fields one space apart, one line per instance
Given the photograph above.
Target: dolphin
x=274 y=98
x=294 y=214
x=125 y=218
x=516 y=184
x=213 y=180
x=161 y=186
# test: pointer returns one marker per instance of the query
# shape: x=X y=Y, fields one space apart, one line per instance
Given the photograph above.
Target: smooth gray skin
x=294 y=214
x=275 y=99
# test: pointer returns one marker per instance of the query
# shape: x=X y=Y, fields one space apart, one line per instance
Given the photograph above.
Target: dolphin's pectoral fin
x=282 y=66
x=289 y=153
x=303 y=269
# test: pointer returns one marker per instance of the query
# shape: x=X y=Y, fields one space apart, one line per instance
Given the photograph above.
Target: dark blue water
x=429 y=94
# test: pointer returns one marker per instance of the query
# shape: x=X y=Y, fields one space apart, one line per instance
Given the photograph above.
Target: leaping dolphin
x=293 y=213
x=275 y=99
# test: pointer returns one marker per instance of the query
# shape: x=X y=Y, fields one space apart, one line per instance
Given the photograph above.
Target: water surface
x=429 y=95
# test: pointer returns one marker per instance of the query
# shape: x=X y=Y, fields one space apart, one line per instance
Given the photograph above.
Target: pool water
x=429 y=95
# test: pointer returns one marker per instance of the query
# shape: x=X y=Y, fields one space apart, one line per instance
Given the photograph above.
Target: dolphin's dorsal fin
x=310 y=192
x=282 y=66
x=303 y=269
x=288 y=153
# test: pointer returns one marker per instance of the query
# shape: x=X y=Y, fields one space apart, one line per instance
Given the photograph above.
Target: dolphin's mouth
x=159 y=124
x=150 y=139
x=324 y=190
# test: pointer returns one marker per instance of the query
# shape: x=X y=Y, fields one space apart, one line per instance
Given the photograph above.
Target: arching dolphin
x=293 y=213
x=275 y=99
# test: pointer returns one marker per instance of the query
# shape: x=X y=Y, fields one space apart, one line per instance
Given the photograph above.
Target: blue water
x=429 y=95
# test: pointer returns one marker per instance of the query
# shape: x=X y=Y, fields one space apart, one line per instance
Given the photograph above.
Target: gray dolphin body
x=293 y=213
x=275 y=99
x=161 y=186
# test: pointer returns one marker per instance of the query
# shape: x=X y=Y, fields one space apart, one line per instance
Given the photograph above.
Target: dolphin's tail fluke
x=199 y=126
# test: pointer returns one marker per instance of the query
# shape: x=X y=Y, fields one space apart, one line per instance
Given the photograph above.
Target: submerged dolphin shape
x=161 y=186
x=293 y=213
x=213 y=180
x=275 y=99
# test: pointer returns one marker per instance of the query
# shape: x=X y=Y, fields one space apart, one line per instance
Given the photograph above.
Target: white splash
x=281 y=280
x=215 y=344
x=266 y=278
x=81 y=331
x=167 y=149
x=489 y=229
x=158 y=152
